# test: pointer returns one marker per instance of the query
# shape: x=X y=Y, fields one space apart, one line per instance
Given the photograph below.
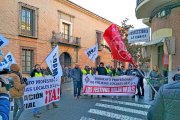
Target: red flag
x=118 y=48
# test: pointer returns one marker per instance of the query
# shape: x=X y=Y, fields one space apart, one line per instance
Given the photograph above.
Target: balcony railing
x=65 y=39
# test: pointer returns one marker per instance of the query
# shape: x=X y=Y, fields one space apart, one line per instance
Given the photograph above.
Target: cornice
x=85 y=11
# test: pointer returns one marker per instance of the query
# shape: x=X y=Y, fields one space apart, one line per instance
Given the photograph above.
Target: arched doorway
x=65 y=59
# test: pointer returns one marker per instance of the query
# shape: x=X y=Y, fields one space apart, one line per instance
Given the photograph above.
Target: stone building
x=163 y=17
x=33 y=27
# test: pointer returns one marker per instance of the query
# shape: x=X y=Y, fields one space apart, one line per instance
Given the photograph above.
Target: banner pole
x=47 y=55
x=147 y=81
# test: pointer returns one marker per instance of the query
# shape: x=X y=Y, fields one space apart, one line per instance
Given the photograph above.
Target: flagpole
x=48 y=55
x=147 y=81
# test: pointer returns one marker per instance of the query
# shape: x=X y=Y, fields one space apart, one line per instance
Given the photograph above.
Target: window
x=66 y=30
x=28 y=20
x=99 y=39
x=27 y=60
x=66 y=25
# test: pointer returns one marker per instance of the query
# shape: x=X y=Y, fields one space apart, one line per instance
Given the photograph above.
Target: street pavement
x=85 y=108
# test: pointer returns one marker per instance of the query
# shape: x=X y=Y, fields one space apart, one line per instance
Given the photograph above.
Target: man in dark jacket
x=167 y=103
x=76 y=75
x=101 y=69
x=129 y=71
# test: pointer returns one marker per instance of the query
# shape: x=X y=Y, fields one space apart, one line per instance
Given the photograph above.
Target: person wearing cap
x=167 y=102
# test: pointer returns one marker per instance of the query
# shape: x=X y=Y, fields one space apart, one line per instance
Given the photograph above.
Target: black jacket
x=101 y=71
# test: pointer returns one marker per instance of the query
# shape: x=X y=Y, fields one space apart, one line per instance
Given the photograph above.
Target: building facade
x=163 y=17
x=33 y=27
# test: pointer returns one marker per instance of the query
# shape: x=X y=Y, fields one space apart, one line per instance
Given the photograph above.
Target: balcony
x=144 y=8
x=65 y=39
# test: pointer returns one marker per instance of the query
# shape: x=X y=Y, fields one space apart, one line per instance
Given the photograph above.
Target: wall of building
x=84 y=26
x=170 y=22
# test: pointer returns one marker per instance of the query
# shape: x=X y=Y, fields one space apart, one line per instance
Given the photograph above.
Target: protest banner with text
x=41 y=91
x=106 y=85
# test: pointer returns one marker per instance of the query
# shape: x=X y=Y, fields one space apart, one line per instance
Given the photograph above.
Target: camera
x=25 y=81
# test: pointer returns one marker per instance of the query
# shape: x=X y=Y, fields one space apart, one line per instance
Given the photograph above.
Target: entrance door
x=65 y=59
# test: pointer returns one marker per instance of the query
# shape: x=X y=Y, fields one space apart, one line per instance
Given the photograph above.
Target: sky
x=113 y=10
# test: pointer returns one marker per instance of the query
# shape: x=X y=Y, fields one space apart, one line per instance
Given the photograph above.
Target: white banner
x=139 y=35
x=53 y=63
x=92 y=52
x=3 y=41
x=41 y=91
x=7 y=61
x=106 y=85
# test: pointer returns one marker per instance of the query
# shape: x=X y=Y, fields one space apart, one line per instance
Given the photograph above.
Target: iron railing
x=65 y=39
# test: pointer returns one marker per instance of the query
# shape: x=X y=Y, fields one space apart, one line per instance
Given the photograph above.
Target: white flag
x=92 y=52
x=7 y=61
x=3 y=41
x=53 y=63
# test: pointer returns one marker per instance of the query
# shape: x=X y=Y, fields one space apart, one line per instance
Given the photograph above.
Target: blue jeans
x=77 y=88
x=18 y=107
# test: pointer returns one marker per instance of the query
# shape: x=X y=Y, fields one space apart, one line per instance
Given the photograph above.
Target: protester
x=108 y=69
x=167 y=102
x=76 y=74
x=101 y=69
x=140 y=85
x=17 y=91
x=36 y=72
x=113 y=71
x=4 y=100
x=65 y=73
x=69 y=72
x=120 y=71
x=93 y=70
x=155 y=77
x=130 y=70
x=47 y=72
x=87 y=70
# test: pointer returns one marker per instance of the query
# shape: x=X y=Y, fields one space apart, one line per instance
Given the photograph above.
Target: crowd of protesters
x=165 y=93
x=76 y=74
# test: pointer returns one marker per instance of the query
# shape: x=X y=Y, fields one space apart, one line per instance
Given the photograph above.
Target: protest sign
x=106 y=85
x=92 y=52
x=7 y=61
x=41 y=91
x=53 y=63
x=3 y=41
